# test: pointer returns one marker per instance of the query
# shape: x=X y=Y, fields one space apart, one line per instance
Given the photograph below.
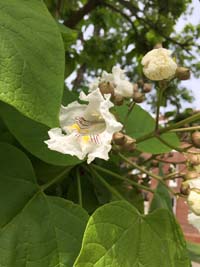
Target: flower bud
x=147 y=87
x=182 y=73
x=135 y=87
x=194 y=159
x=140 y=83
x=106 y=88
x=185 y=189
x=196 y=139
x=138 y=97
x=119 y=138
x=118 y=100
x=129 y=144
x=158 y=65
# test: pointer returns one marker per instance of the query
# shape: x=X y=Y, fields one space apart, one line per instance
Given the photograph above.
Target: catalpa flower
x=194 y=220
x=118 y=80
x=194 y=195
x=86 y=130
x=158 y=64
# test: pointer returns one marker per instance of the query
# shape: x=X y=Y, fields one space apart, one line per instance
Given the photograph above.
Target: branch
x=77 y=16
x=150 y=24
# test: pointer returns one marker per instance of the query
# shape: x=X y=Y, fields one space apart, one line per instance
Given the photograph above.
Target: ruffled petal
x=194 y=220
x=65 y=144
x=69 y=113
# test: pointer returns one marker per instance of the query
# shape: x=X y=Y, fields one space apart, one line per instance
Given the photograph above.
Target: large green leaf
x=117 y=235
x=32 y=135
x=32 y=60
x=35 y=230
x=140 y=123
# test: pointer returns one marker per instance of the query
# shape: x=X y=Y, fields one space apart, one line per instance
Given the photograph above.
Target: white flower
x=194 y=195
x=194 y=201
x=89 y=128
x=158 y=64
x=121 y=85
x=194 y=220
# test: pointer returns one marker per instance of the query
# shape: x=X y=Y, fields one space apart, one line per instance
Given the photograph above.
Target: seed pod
x=118 y=100
x=119 y=138
x=191 y=175
x=138 y=97
x=196 y=139
x=185 y=189
x=106 y=88
x=147 y=87
x=182 y=73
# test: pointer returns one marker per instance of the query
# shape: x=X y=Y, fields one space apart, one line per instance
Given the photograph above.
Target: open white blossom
x=158 y=64
x=119 y=80
x=194 y=220
x=194 y=195
x=86 y=129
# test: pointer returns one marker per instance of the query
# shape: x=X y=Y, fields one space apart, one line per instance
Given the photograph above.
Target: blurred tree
x=120 y=32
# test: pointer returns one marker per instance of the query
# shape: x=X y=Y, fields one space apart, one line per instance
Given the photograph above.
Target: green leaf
x=117 y=235
x=32 y=60
x=140 y=123
x=194 y=251
x=161 y=199
x=32 y=135
x=69 y=36
x=35 y=230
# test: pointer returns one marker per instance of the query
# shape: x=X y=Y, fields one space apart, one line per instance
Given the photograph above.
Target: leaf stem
x=79 y=188
x=107 y=185
x=130 y=109
x=171 y=127
x=122 y=178
x=193 y=128
x=156 y=177
x=159 y=100
x=55 y=179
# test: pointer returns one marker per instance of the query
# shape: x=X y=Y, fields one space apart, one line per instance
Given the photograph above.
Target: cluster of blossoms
x=86 y=130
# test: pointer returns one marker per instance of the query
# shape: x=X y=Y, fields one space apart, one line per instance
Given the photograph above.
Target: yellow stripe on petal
x=86 y=138
x=75 y=126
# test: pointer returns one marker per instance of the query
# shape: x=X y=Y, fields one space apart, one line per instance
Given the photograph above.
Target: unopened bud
x=147 y=87
x=182 y=73
x=140 y=83
x=135 y=87
x=118 y=100
x=191 y=175
x=106 y=88
x=138 y=97
x=119 y=138
x=129 y=144
x=194 y=158
x=154 y=163
x=196 y=139
x=185 y=189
